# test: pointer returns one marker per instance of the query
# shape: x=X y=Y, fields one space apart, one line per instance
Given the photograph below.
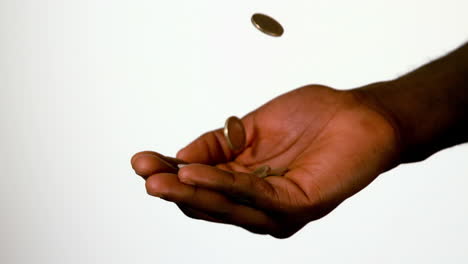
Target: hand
x=333 y=142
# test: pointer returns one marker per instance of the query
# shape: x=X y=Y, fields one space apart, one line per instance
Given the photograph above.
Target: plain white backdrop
x=86 y=84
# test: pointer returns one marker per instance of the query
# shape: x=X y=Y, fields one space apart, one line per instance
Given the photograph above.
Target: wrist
x=425 y=115
x=427 y=107
x=372 y=96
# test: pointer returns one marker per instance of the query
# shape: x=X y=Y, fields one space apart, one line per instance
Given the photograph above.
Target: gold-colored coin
x=262 y=171
x=267 y=25
x=234 y=132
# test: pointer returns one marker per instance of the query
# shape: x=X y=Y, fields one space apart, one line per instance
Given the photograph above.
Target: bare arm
x=334 y=144
x=429 y=106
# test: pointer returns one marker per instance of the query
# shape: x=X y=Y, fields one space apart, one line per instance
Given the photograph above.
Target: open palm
x=334 y=143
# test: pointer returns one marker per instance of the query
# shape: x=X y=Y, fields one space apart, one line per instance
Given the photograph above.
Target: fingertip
x=148 y=164
x=159 y=185
x=187 y=173
x=209 y=148
x=151 y=185
x=132 y=159
x=155 y=186
x=201 y=175
x=182 y=154
x=143 y=165
x=194 y=152
x=143 y=153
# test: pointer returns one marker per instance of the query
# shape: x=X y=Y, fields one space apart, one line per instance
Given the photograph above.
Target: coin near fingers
x=267 y=25
x=262 y=171
x=174 y=161
x=234 y=132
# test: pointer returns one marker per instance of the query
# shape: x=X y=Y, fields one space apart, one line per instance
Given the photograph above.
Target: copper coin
x=262 y=171
x=234 y=132
x=267 y=25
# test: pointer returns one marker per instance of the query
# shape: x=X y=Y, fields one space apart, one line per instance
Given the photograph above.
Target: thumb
x=212 y=148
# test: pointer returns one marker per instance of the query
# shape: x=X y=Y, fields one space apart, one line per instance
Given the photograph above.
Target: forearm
x=429 y=106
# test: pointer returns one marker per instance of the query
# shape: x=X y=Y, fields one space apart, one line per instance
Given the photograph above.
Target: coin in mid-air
x=267 y=25
x=234 y=132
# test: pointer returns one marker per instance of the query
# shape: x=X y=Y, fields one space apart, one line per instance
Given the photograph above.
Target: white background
x=86 y=84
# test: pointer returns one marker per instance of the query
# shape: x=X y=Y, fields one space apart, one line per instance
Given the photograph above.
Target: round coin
x=234 y=133
x=267 y=25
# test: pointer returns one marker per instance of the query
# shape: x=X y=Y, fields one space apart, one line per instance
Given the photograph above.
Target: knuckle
x=232 y=182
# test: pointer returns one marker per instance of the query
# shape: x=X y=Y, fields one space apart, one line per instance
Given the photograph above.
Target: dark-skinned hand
x=334 y=143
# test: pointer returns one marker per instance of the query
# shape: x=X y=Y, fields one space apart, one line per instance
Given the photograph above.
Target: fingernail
x=184 y=175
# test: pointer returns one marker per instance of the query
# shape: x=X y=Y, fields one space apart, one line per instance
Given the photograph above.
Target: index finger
x=212 y=148
x=271 y=194
x=148 y=163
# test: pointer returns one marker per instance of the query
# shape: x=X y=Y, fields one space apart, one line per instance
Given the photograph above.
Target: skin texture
x=307 y=130
x=334 y=144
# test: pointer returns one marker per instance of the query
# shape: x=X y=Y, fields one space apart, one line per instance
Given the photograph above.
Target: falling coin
x=262 y=171
x=234 y=133
x=267 y=25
